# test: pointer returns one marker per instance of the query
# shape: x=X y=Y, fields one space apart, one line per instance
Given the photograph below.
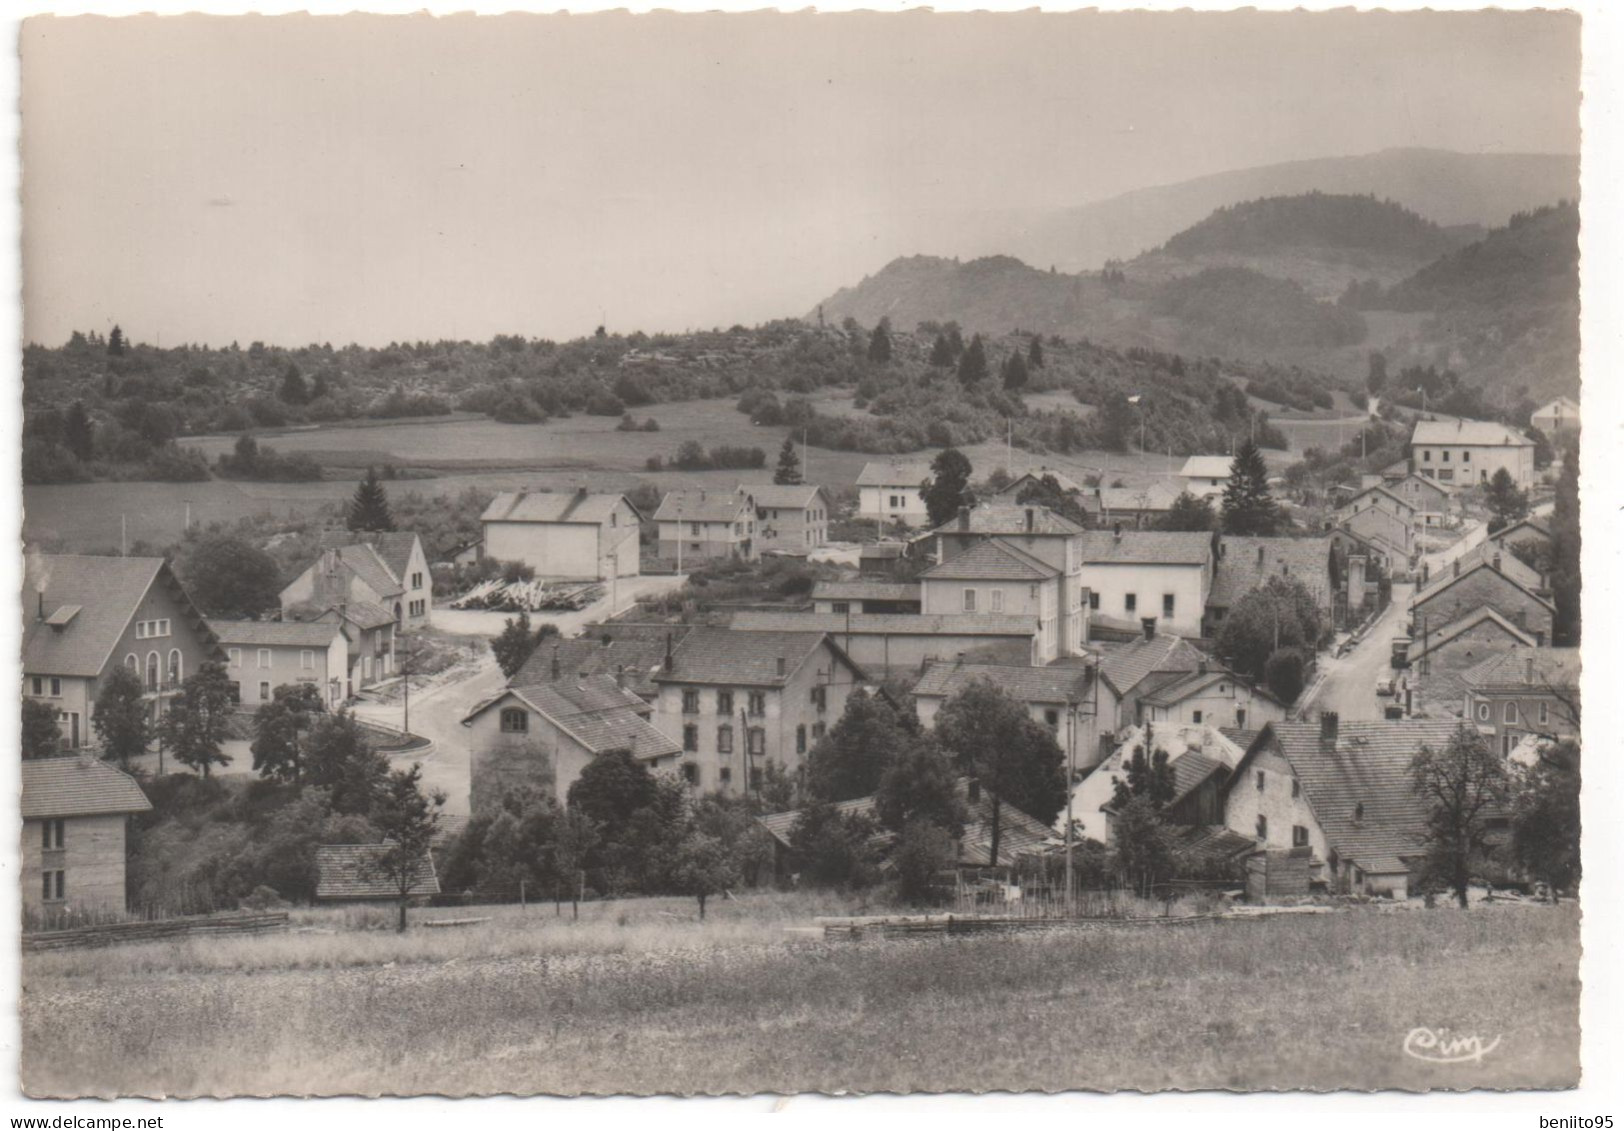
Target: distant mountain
x=1317 y=220
x=1450 y=189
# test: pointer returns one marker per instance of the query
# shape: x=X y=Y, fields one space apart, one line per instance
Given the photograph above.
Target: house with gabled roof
x=1463 y=453
x=708 y=524
x=387 y=569
x=996 y=577
x=76 y=812
x=565 y=535
x=1380 y=497
x=1465 y=642
x=1557 y=418
x=889 y=491
x=790 y=519
x=1205 y=476
x=1523 y=691
x=902 y=643
x=1343 y=793
x=1061 y=697
x=83 y=615
x=369 y=635
x=1137 y=575
x=1533 y=530
x=1034 y=477
x=1393 y=534
x=865 y=595
x=1212 y=694
x=1462 y=590
x=263 y=655
x=1503 y=560
x=541 y=735
x=354 y=873
x=736 y=700
x=1135 y=507
x=1245 y=563
x=1433 y=502
x=1200 y=758
x=632 y=653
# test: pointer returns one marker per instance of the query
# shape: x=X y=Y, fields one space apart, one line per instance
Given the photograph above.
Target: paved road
x=1348 y=686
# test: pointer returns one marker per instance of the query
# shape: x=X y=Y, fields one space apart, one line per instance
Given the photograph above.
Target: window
x=307 y=659
x=757 y=739
x=1466 y=457
x=1359 y=812
x=1447 y=475
x=264 y=690
x=55 y=833
x=1240 y=716
x=1262 y=827
x=800 y=739
x=264 y=658
x=818 y=731
x=724 y=739
x=1511 y=713
x=417 y=578
x=1482 y=712
x=1446 y=455
x=39 y=685
x=997 y=600
x=690 y=736
x=690 y=773
x=820 y=697
x=1094 y=599
x=1426 y=456
x=690 y=701
x=1052 y=717
x=515 y=720
x=1544 y=713
x=1167 y=604
x=758 y=703
x=725 y=775
x=234 y=657
x=174 y=670
x=724 y=702
x=1195 y=717
x=1506 y=741
x=1299 y=836
x=1260 y=777
x=1131 y=602
x=693 y=530
x=841 y=607
x=969 y=600
x=55 y=885
x=152 y=671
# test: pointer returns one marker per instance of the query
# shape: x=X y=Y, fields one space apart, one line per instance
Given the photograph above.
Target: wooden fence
x=106 y=934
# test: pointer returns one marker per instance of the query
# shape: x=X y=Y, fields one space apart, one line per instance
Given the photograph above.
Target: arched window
x=515 y=720
x=175 y=666
x=132 y=663
x=152 y=671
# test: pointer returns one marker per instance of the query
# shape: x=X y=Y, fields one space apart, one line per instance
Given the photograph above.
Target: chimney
x=783 y=665
x=1455 y=567
x=964 y=518
x=620 y=675
x=580 y=492
x=1260 y=556
x=1496 y=561
x=1116 y=531
x=1328 y=729
x=1031 y=520
x=1518 y=618
x=669 y=665
x=1201 y=666
x=1223 y=548
x=42 y=604
x=1149 y=626
x=1529 y=672
x=555 y=662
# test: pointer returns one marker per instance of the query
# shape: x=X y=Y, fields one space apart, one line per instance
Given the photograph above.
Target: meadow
x=640 y=997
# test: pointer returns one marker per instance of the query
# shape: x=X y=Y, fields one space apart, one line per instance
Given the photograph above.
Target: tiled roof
x=552 y=506
x=1124 y=665
x=1468 y=432
x=395 y=548
x=1486 y=552
x=1381 y=489
x=992 y=560
x=1185 y=684
x=1214 y=843
x=1369 y=767
x=1062 y=480
x=105 y=592
x=635 y=651
x=783 y=496
x=1437 y=588
x=1566 y=405
x=946 y=678
x=732 y=656
x=362 y=614
x=1531 y=527
x=367 y=564
x=1509 y=670
x=272 y=633
x=78 y=786
x=1146 y=547
x=1430 y=642
x=894 y=473
x=1207 y=467
x=1156 y=497
x=1239 y=571
x=350 y=871
x=865 y=591
x=1010 y=518
x=596 y=712
x=1190 y=769
x=699 y=505
x=1239 y=736
x=888 y=624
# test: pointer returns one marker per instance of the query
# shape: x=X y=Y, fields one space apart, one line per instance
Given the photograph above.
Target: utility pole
x=123 y=536
x=1009 y=446
x=744 y=737
x=1071 y=780
x=679 y=536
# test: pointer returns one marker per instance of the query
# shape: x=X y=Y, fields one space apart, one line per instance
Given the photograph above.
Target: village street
x=1347 y=685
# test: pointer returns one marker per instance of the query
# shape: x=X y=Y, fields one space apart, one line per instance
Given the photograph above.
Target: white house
x=575 y=536
x=1132 y=575
x=263 y=655
x=388 y=569
x=1464 y=452
x=1560 y=417
x=708 y=524
x=999 y=579
x=793 y=519
x=1203 y=476
x=889 y=491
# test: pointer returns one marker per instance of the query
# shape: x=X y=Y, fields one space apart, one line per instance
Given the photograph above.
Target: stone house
x=1206 y=476
x=1464 y=453
x=1559 y=418
x=902 y=643
x=1247 y=563
x=888 y=491
x=1524 y=691
x=263 y=655
x=1455 y=594
x=387 y=569
x=1465 y=642
x=369 y=635
x=1135 y=575
x=1062 y=698
x=790 y=519
x=1211 y=695
x=700 y=523
x=865 y=596
x=1395 y=534
x=76 y=812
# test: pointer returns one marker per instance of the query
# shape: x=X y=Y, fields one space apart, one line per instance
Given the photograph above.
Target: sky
x=370 y=179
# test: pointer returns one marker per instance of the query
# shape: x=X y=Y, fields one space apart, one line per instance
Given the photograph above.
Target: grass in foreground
x=659 y=1005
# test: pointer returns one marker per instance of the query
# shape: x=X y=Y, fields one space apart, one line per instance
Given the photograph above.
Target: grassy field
x=639 y=997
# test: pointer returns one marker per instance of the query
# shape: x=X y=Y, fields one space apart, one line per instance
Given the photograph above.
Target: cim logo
x=1440 y=1046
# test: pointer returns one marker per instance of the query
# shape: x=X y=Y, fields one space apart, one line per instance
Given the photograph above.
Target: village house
x=1010 y=495
x=1062 y=698
x=387 y=569
x=1558 y=419
x=736 y=701
x=888 y=491
x=790 y=519
x=1465 y=642
x=76 y=812
x=632 y=653
x=263 y=655
x=1461 y=591
x=865 y=597
x=997 y=578
x=1246 y=563
x=1040 y=534
x=369 y=634
x=1205 y=476
x=1467 y=452
x=84 y=614
x=1135 y=575
x=1125 y=670
x=1432 y=502
x=1380 y=497
x=1393 y=534
x=899 y=643
x=1200 y=758
x=698 y=523
x=1507 y=563
x=1529 y=535
x=565 y=536
x=1524 y=691
x=882 y=559
x=1137 y=507
x=354 y=873
x=541 y=735
x=1211 y=694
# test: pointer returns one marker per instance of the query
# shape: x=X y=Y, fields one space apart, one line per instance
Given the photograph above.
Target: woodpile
x=105 y=934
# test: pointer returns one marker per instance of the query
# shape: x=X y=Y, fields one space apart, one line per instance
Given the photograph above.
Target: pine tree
x=973 y=363
x=879 y=343
x=369 y=511
x=318 y=385
x=1034 y=354
x=941 y=354
x=293 y=389
x=789 y=465
x=79 y=433
x=1248 y=507
x=1015 y=373
x=115 y=343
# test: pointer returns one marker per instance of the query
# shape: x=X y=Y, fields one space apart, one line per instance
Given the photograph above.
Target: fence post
x=521 y=895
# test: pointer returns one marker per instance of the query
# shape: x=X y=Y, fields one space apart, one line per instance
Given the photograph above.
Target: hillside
x=1317 y=220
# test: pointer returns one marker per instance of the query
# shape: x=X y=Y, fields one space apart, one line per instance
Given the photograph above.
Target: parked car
x=1385 y=686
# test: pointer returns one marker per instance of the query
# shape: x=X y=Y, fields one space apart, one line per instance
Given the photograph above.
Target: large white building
x=1205 y=476
x=1134 y=575
x=1465 y=452
x=576 y=536
x=1560 y=417
x=889 y=490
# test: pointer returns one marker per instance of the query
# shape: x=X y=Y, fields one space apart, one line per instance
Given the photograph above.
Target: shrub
x=1284 y=671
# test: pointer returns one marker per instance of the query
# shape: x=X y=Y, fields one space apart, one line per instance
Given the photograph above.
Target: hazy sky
x=297 y=179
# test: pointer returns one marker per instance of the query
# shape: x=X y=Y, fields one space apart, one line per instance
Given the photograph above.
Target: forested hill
x=1318 y=220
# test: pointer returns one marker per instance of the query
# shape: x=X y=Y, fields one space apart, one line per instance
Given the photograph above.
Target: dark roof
x=945 y=678
x=1239 y=736
x=993 y=560
x=1531 y=526
x=1010 y=518
x=1431 y=641
x=894 y=473
x=1124 y=665
x=597 y=712
x=1486 y=552
x=554 y=506
x=633 y=651
x=1181 y=685
x=1432 y=592
x=866 y=591
x=362 y=614
x=1062 y=480
x=1155 y=497
x=783 y=496
x=395 y=548
x=1238 y=570
x=701 y=505
x=106 y=592
x=1190 y=770
x=350 y=871
x=730 y=655
x=1382 y=489
x=1508 y=671
x=889 y=624
x=78 y=786
x=1147 y=547
x=883 y=550
x=275 y=633
x=1212 y=843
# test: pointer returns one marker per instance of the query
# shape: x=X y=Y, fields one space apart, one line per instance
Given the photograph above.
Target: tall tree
x=1462 y=786
x=1566 y=543
x=195 y=724
x=293 y=389
x=1248 y=507
x=115 y=343
x=1279 y=614
x=340 y=759
x=1148 y=776
x=1034 y=353
x=948 y=488
x=920 y=784
x=849 y=761
x=369 y=510
x=879 y=343
x=78 y=432
x=1545 y=817
x=408 y=819
x=789 y=465
x=613 y=786
x=42 y=737
x=1047 y=492
x=575 y=837
x=228 y=577
x=1188 y=512
x=1015 y=373
x=281 y=729
x=514 y=644
x=941 y=353
x=1017 y=760
x=1507 y=503
x=1376 y=377
x=973 y=362
x=122 y=721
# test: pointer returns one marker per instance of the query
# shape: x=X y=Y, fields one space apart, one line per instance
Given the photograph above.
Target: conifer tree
x=369 y=511
x=1034 y=354
x=1248 y=507
x=879 y=343
x=941 y=353
x=789 y=465
x=293 y=389
x=1015 y=373
x=79 y=433
x=973 y=363
x=115 y=343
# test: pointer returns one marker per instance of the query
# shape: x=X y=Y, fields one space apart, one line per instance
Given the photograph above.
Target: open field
x=639 y=997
